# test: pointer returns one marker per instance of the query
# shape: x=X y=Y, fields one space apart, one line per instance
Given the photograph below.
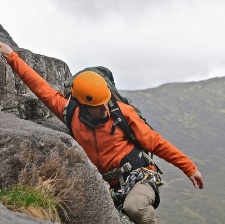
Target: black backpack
x=116 y=96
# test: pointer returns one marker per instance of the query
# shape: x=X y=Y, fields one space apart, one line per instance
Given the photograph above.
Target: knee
x=132 y=211
x=139 y=212
x=130 y=207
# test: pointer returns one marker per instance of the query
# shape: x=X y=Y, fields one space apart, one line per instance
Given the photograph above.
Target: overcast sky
x=145 y=43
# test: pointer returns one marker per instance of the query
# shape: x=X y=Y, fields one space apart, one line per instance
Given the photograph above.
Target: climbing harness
x=144 y=175
x=135 y=159
x=136 y=166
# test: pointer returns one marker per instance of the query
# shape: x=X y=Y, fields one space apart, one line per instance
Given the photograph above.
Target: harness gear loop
x=147 y=156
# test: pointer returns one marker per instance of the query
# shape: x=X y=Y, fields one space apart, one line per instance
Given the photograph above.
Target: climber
x=91 y=126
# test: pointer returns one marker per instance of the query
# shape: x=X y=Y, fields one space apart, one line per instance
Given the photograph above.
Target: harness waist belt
x=117 y=172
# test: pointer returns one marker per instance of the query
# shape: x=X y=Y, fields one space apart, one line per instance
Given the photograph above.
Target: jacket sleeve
x=53 y=99
x=153 y=142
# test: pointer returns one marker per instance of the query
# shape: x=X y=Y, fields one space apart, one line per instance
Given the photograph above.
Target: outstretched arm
x=53 y=99
x=153 y=142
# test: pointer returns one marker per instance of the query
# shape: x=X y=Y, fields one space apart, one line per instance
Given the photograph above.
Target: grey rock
x=8 y=217
x=15 y=96
x=88 y=199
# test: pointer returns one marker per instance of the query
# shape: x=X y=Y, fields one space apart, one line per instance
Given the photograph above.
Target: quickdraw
x=142 y=174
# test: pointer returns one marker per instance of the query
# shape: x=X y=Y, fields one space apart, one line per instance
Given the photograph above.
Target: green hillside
x=192 y=117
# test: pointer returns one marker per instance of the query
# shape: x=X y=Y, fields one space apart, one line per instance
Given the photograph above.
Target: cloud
x=145 y=43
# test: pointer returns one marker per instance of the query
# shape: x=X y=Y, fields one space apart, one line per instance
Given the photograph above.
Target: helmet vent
x=89 y=98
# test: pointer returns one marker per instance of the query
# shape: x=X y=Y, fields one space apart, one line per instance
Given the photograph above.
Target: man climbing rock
x=118 y=159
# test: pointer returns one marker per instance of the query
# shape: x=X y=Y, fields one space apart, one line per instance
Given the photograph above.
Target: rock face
x=7 y=217
x=34 y=147
x=24 y=144
x=15 y=96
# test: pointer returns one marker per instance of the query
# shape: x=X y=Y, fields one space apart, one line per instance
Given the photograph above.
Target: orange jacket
x=104 y=150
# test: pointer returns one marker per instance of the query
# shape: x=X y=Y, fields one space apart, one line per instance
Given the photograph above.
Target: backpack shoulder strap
x=119 y=119
x=68 y=114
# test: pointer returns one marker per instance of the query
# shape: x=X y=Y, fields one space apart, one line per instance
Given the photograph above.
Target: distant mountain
x=192 y=117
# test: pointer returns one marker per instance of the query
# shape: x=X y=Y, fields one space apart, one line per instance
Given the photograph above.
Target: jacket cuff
x=11 y=57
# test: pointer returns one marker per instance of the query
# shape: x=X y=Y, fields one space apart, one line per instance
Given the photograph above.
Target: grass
x=44 y=187
x=25 y=196
x=38 y=201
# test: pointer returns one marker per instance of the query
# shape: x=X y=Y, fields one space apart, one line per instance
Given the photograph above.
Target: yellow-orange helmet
x=90 y=88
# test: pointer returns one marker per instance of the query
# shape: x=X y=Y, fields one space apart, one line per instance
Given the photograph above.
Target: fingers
x=0 y=47
x=5 y=50
x=1 y=44
x=194 y=182
x=197 y=180
x=198 y=183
